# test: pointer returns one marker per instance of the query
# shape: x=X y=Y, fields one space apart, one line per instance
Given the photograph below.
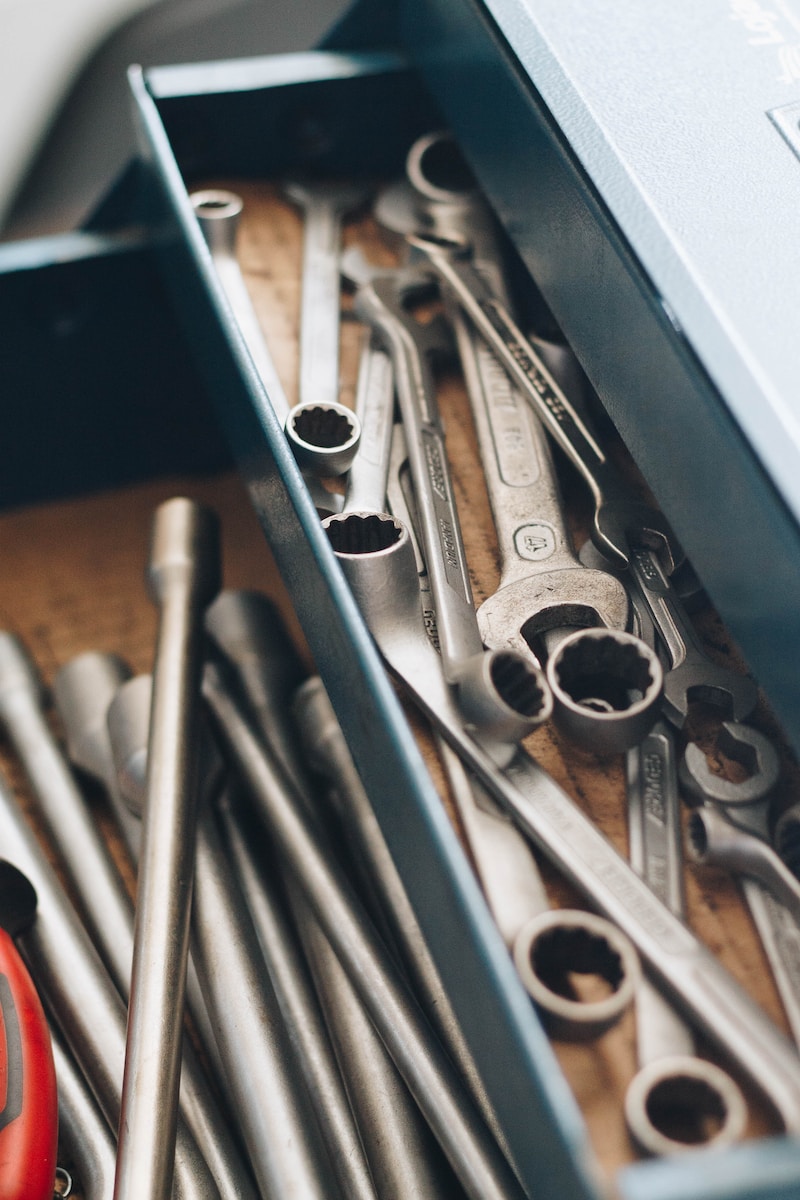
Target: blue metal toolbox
x=573 y=116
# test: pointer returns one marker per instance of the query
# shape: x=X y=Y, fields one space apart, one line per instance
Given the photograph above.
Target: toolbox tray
x=150 y=292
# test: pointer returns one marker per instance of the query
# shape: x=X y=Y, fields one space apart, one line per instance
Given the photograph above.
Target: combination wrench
x=620 y=518
x=382 y=574
x=543 y=585
x=323 y=441
x=549 y=947
x=324 y=205
x=497 y=689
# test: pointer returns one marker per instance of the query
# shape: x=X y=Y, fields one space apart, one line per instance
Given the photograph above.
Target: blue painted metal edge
x=704 y=474
x=533 y=1102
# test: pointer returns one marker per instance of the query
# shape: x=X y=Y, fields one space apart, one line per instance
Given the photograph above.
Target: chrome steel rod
x=183 y=577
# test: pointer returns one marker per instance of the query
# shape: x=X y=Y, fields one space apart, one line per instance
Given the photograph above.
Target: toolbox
x=120 y=363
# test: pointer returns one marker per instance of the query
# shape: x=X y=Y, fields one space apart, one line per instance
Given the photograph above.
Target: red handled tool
x=28 y=1099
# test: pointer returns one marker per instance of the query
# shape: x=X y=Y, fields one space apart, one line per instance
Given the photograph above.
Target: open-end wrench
x=539 y=588
x=385 y=584
x=746 y=803
x=621 y=519
x=498 y=689
x=324 y=204
x=183 y=575
x=218 y=214
x=691 y=674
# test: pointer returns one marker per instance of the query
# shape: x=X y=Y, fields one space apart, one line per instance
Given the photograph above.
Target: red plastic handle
x=28 y=1098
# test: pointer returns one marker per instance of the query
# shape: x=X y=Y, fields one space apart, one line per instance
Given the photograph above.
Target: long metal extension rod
x=183 y=577
x=473 y=1153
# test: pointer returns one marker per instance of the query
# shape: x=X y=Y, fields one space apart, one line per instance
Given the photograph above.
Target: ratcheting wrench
x=383 y=578
x=540 y=588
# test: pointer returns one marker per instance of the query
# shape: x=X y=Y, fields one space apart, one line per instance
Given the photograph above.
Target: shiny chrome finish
x=264 y=1043
x=607 y=687
x=540 y=588
x=218 y=213
x=473 y=1154
x=384 y=581
x=620 y=518
x=183 y=575
x=82 y=1128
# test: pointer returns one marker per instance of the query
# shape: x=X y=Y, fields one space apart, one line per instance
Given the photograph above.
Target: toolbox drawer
x=342 y=114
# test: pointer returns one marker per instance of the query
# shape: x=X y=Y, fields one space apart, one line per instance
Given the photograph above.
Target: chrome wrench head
x=555 y=947
x=745 y=802
x=682 y=1103
x=324 y=437
x=501 y=696
x=606 y=688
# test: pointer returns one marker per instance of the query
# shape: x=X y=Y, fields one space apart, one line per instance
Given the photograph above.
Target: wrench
x=218 y=214
x=691 y=675
x=620 y=519
x=324 y=205
x=746 y=804
x=496 y=689
x=384 y=583
x=540 y=588
x=547 y=946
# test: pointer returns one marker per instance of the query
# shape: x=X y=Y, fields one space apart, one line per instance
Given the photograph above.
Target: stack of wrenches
x=314 y=1001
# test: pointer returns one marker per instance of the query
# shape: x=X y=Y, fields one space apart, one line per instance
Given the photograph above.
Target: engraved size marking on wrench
x=536 y=541
x=583 y=844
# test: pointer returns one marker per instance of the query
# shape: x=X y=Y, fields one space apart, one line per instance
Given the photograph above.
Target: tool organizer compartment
x=247 y=127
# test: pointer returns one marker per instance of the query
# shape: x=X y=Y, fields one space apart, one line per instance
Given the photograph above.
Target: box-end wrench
x=324 y=448
x=540 y=588
x=620 y=518
x=324 y=205
x=183 y=576
x=382 y=575
x=497 y=689
x=549 y=947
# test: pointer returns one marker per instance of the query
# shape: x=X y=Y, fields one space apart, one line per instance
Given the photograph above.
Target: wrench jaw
x=734 y=696
x=745 y=802
x=681 y=1103
x=607 y=687
x=554 y=946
